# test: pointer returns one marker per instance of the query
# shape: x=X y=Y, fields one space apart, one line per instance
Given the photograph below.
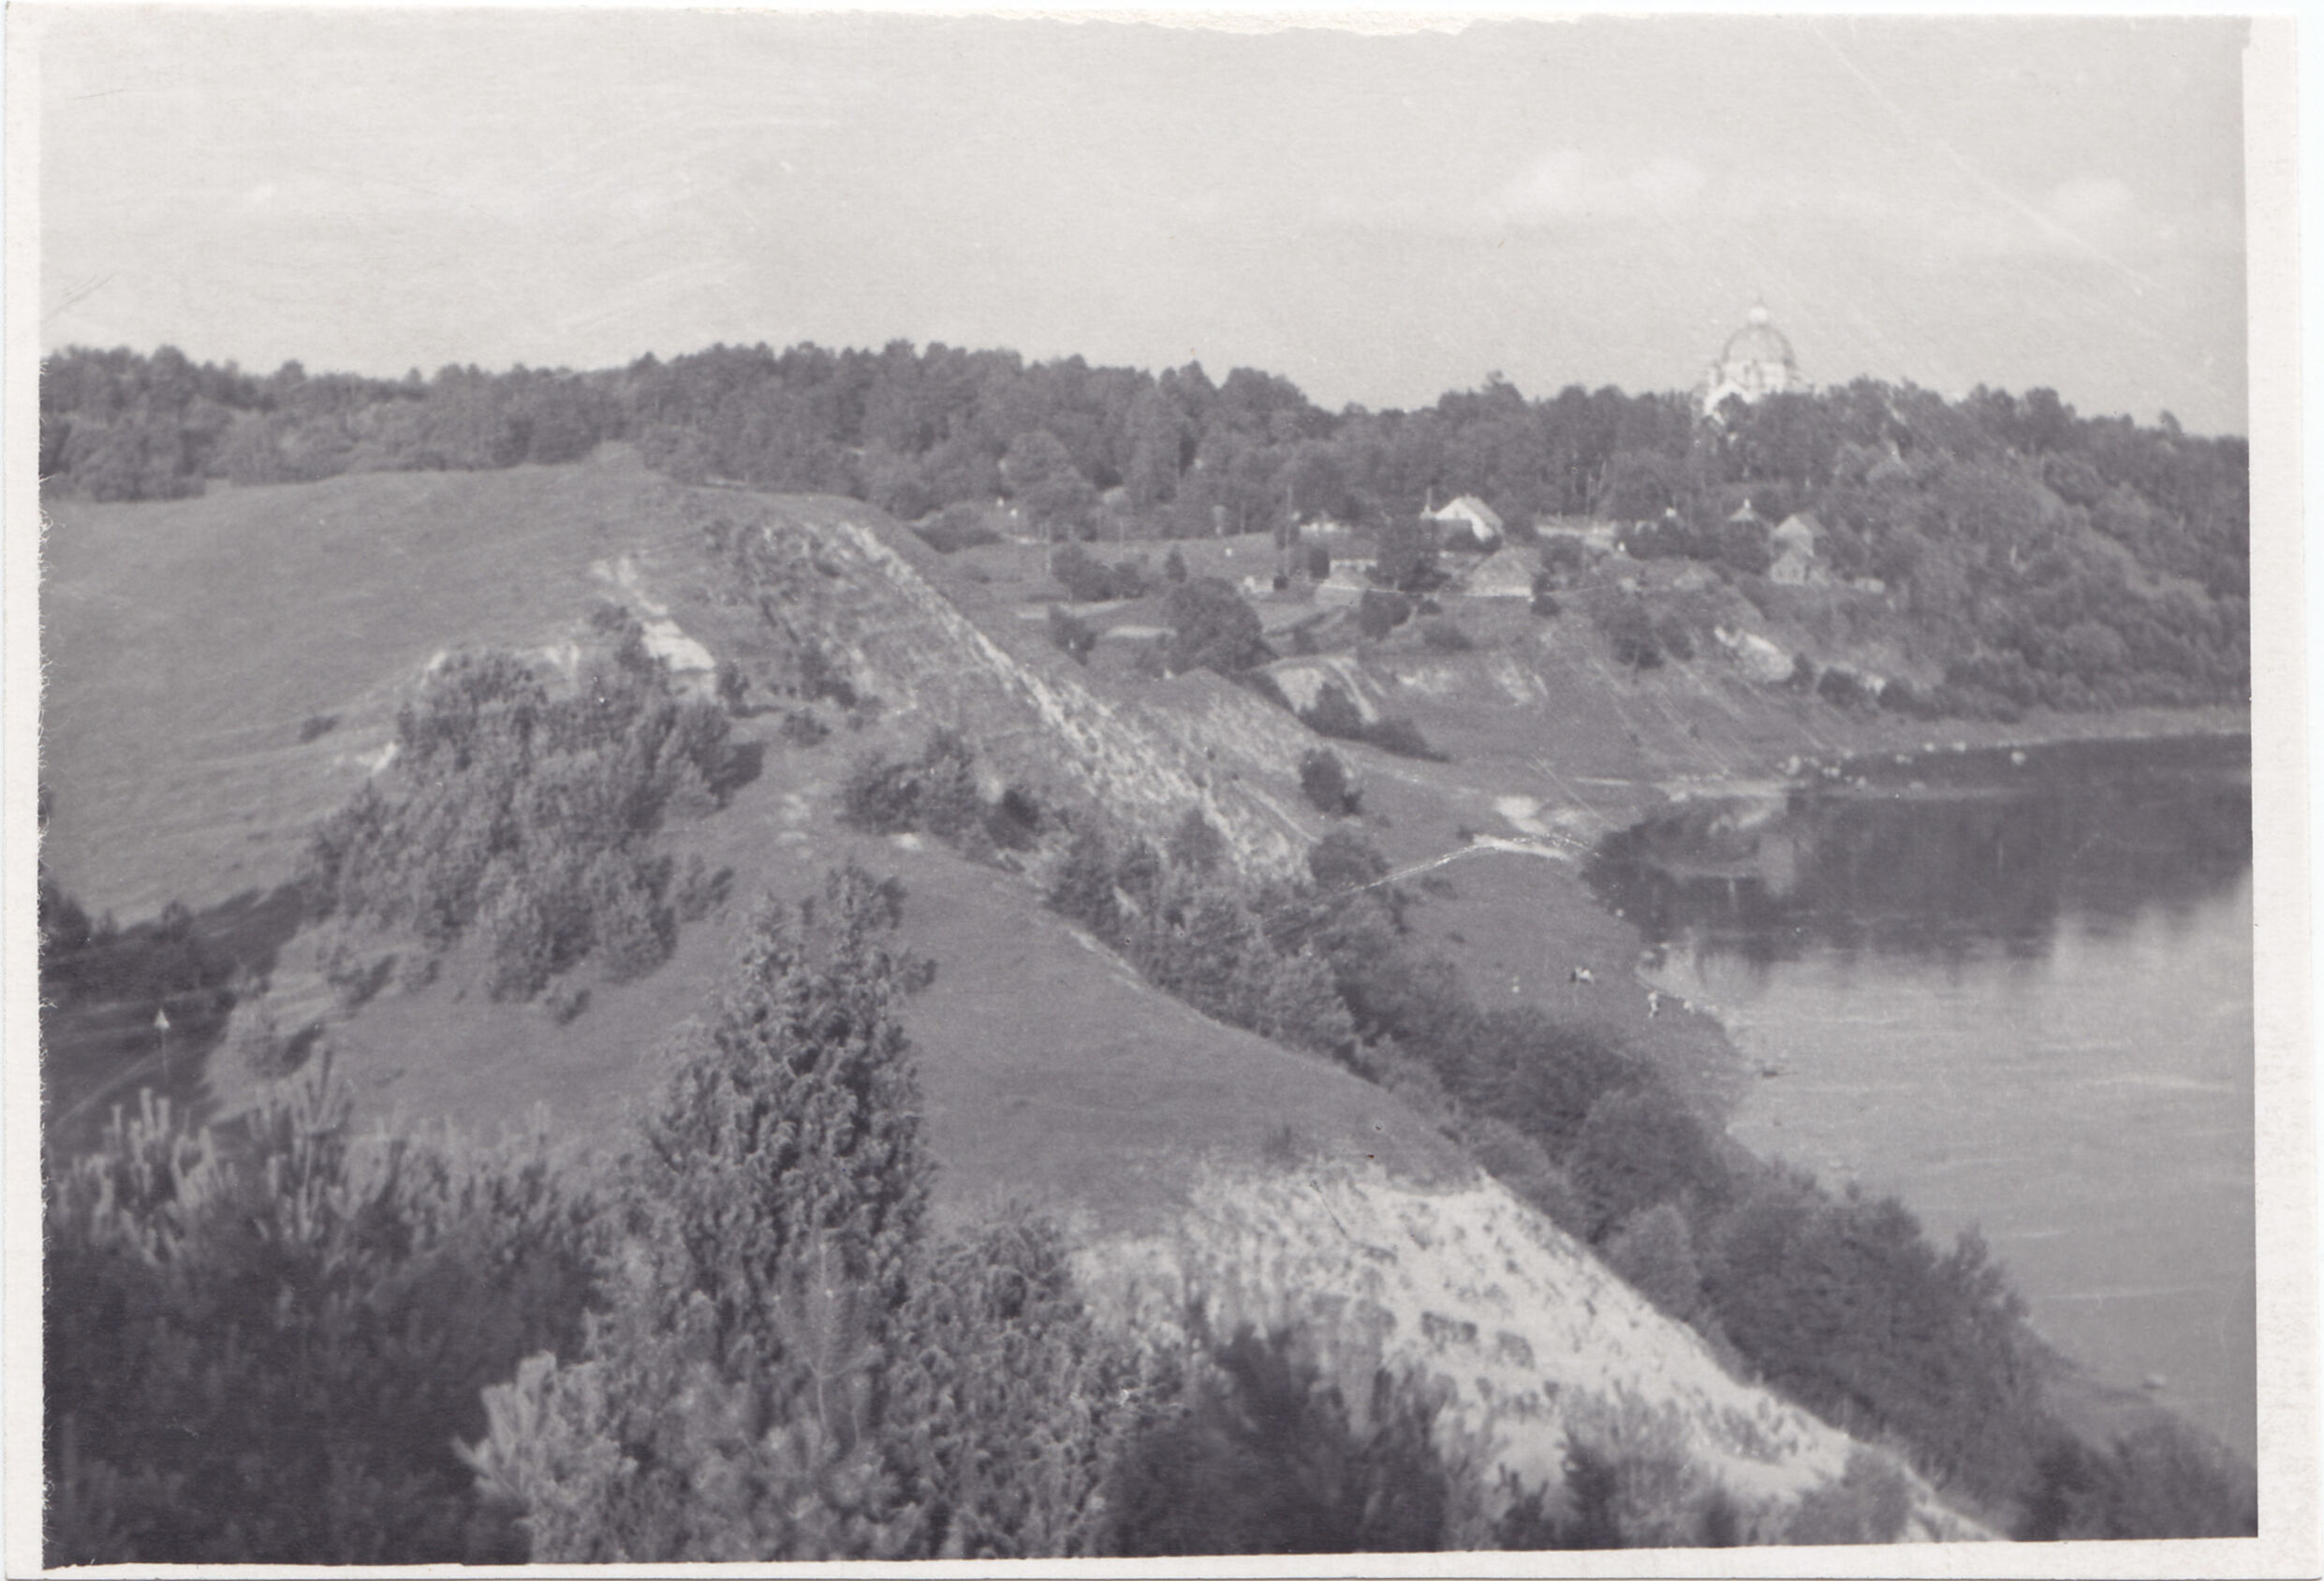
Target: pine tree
x=1011 y=1405
x=729 y=1402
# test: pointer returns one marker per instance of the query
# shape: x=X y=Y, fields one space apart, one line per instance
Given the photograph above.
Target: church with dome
x=1757 y=362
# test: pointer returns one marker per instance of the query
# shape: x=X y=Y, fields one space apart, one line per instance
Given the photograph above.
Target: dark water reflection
x=2015 y=994
x=1944 y=855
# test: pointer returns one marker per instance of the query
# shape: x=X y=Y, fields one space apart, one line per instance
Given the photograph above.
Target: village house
x=1602 y=535
x=1350 y=576
x=1794 y=544
x=1466 y=515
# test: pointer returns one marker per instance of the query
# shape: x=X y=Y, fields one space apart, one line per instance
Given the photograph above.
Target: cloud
x=1569 y=187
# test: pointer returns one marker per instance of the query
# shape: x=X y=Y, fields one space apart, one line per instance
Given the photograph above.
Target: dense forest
x=2039 y=556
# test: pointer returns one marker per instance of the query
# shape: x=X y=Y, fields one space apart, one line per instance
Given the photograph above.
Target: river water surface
x=2015 y=991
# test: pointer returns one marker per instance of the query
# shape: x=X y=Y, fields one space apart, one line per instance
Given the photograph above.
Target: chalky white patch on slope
x=1522 y=813
x=1518 y=683
x=1528 y=1334
x=1302 y=678
x=664 y=638
x=1148 y=762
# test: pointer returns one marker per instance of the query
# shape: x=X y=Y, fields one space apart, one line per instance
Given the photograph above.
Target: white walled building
x=1756 y=362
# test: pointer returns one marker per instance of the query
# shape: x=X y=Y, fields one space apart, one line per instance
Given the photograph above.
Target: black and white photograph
x=1389 y=793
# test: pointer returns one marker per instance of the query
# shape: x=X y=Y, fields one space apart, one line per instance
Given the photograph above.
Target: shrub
x=564 y=1001
x=1010 y=1406
x=1902 y=697
x=823 y=679
x=947 y=802
x=1196 y=844
x=960 y=525
x=258 y=1345
x=1343 y=860
x=1267 y=1456
x=1544 y=602
x=880 y=796
x=938 y=793
x=1088 y=580
x=1654 y=1254
x=702 y=891
x=1629 y=631
x=1212 y=628
x=1082 y=889
x=731 y=685
x=1641 y=1148
x=1523 y=1165
x=1324 y=781
x=1634 y=1485
x=529 y=816
x=1846 y=1307
x=801 y=728
x=2158 y=1480
x=255 y=1040
x=1085 y=578
x=1334 y=713
x=1381 y=612
x=1842 y=689
x=1071 y=635
x=1015 y=822
x=1869 y=1504
x=1299 y=1005
x=1406 y=562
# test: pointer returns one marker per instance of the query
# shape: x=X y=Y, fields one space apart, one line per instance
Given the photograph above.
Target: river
x=2014 y=990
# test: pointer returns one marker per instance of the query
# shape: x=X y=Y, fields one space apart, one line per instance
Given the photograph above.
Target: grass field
x=221 y=669
x=187 y=644
x=189 y=641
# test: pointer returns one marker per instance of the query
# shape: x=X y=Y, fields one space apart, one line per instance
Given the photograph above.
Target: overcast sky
x=1379 y=217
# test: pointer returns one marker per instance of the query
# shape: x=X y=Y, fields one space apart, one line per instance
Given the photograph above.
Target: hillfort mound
x=1195 y=811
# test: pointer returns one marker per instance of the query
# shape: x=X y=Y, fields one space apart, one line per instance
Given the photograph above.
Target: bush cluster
x=261 y=1338
x=938 y=793
x=1334 y=713
x=958 y=526
x=1073 y=637
x=1326 y=783
x=1380 y=612
x=1088 y=580
x=160 y=964
x=1212 y=628
x=527 y=819
x=1182 y=921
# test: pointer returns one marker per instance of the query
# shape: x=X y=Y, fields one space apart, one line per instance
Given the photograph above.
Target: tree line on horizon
x=2048 y=557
